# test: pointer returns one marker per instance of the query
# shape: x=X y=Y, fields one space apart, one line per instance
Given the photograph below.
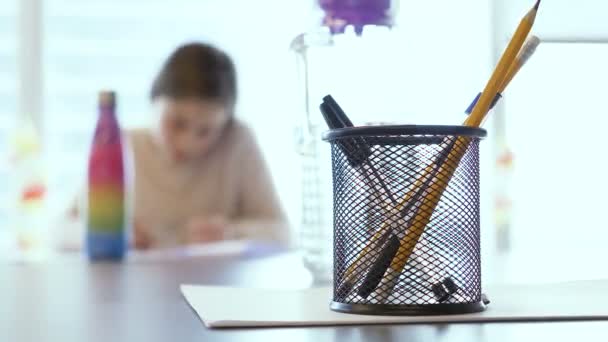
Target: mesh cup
x=406 y=242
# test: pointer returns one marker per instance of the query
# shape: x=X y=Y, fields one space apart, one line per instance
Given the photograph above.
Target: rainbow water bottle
x=106 y=214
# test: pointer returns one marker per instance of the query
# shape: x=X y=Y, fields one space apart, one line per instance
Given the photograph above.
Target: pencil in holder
x=421 y=256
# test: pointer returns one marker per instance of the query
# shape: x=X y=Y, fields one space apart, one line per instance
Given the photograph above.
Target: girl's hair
x=197 y=70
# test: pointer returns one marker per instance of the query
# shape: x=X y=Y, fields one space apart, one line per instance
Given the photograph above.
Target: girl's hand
x=141 y=237
x=199 y=230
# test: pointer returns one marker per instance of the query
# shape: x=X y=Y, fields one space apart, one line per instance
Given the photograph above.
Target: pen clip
x=469 y=110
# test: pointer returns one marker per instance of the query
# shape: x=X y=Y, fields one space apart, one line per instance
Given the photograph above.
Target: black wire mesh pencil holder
x=406 y=220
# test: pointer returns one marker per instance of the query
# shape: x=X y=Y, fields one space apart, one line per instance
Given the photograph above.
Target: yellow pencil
x=442 y=179
x=377 y=238
x=500 y=72
x=350 y=276
x=522 y=58
x=515 y=66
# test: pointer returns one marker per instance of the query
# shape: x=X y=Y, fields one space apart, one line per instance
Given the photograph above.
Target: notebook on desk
x=241 y=248
x=247 y=308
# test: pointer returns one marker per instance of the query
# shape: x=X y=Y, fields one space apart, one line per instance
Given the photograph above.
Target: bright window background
x=120 y=45
x=557 y=192
x=556 y=130
x=581 y=19
x=8 y=104
x=555 y=127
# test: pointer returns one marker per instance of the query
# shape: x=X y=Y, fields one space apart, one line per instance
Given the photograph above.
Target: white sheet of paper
x=222 y=248
x=246 y=307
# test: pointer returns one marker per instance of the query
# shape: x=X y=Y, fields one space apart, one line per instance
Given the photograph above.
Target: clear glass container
x=355 y=55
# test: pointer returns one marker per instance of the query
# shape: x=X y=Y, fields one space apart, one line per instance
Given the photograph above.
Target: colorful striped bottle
x=106 y=214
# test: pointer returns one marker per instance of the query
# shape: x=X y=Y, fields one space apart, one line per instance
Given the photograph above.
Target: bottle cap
x=107 y=98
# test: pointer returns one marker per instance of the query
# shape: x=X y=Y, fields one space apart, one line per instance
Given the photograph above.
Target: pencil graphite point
x=537 y=4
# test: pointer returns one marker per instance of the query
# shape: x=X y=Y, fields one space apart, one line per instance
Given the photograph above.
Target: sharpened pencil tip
x=537 y=4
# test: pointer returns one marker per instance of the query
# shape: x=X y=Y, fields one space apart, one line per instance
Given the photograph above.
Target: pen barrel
x=420 y=255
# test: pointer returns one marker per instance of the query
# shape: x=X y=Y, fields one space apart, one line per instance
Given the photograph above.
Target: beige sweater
x=232 y=182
